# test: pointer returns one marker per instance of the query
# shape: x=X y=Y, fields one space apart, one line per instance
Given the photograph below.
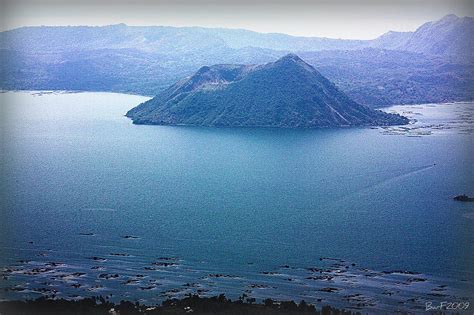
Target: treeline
x=189 y=305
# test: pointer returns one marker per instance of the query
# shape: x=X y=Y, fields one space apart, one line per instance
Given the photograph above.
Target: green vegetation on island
x=288 y=93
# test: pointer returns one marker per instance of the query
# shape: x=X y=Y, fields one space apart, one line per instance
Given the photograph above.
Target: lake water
x=92 y=204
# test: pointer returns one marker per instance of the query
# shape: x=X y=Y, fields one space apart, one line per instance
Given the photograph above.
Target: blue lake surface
x=78 y=176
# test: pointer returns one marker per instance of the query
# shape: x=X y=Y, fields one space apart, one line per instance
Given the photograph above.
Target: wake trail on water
x=365 y=190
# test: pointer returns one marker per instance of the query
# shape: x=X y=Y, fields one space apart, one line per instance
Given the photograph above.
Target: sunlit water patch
x=429 y=119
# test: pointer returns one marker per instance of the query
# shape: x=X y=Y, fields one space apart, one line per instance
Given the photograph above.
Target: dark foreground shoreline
x=189 y=305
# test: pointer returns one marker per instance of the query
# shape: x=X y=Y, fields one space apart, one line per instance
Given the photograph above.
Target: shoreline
x=151 y=96
x=40 y=92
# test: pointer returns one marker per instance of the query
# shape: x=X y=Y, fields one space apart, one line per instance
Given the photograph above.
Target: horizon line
x=228 y=28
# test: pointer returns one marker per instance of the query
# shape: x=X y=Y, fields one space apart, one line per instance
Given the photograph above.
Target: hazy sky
x=363 y=19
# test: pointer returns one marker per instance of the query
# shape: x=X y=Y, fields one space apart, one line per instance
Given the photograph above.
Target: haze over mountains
x=432 y=64
x=284 y=93
x=450 y=35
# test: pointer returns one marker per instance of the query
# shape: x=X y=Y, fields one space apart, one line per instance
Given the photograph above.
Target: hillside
x=285 y=93
x=449 y=36
x=376 y=77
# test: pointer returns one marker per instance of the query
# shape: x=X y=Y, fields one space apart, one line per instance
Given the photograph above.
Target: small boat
x=464 y=198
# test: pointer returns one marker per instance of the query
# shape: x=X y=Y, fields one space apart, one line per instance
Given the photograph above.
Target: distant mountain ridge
x=287 y=93
x=451 y=35
x=432 y=64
